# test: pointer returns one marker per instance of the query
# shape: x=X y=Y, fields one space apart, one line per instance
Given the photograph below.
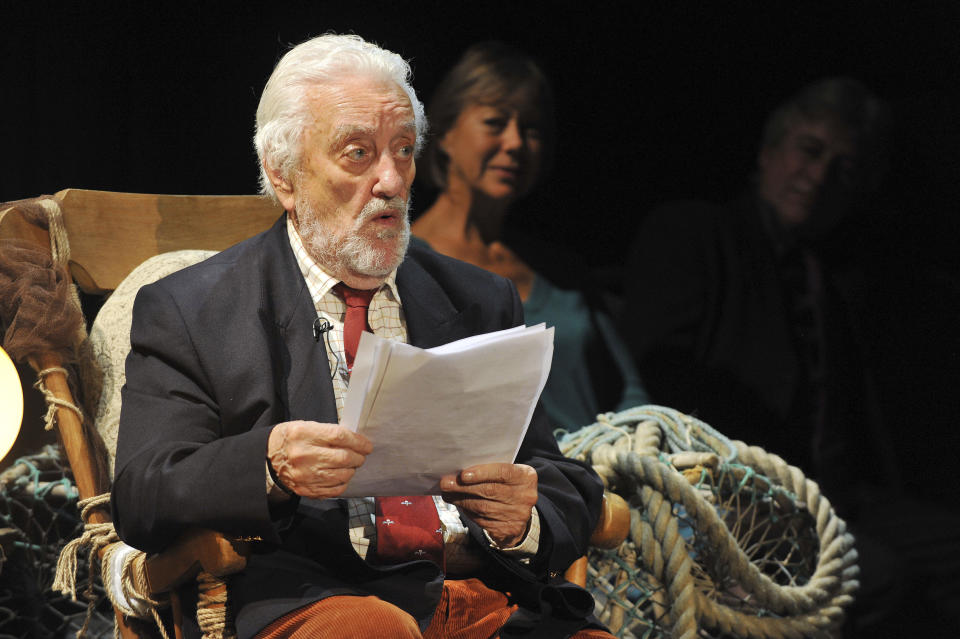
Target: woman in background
x=492 y=138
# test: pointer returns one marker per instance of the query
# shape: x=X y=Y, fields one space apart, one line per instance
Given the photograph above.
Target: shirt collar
x=319 y=281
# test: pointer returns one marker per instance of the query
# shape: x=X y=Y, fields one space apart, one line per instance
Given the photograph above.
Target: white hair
x=284 y=110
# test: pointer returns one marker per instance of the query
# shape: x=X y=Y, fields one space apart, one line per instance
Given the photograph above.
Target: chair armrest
x=614 y=523
x=197 y=550
x=611 y=530
x=215 y=553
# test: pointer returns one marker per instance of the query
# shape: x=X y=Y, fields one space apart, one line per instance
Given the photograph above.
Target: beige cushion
x=110 y=335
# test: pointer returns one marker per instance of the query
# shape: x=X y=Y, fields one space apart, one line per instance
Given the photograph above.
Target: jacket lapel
x=302 y=373
x=432 y=320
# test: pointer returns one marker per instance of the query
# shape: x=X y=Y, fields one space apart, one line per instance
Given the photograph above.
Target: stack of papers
x=434 y=412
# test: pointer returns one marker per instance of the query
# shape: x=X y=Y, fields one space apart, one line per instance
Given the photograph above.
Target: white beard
x=352 y=252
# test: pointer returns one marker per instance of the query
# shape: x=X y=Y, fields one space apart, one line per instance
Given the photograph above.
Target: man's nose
x=389 y=180
x=816 y=170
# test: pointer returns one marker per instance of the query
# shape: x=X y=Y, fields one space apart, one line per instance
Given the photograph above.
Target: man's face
x=352 y=193
x=808 y=177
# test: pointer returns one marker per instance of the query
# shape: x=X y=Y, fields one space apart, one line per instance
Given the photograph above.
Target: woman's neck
x=468 y=228
x=461 y=210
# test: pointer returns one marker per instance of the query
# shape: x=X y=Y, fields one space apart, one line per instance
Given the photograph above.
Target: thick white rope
x=626 y=450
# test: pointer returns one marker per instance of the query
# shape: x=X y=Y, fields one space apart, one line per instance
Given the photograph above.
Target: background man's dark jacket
x=707 y=320
x=224 y=350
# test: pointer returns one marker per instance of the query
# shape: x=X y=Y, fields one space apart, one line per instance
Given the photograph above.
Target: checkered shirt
x=385 y=316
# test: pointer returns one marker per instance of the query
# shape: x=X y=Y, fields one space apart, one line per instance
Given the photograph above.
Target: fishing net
x=39 y=515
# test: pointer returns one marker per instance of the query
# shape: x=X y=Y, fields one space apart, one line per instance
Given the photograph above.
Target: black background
x=655 y=100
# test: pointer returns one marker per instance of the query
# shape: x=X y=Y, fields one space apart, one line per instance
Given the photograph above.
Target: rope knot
x=52 y=400
x=94 y=537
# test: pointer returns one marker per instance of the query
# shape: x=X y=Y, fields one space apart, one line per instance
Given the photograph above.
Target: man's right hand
x=316 y=460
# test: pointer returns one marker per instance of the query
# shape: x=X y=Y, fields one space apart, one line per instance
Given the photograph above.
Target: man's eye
x=496 y=123
x=405 y=151
x=811 y=150
x=357 y=154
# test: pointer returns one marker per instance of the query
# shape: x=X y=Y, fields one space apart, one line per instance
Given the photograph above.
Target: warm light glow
x=11 y=404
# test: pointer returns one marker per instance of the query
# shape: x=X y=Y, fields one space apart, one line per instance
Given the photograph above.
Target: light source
x=11 y=404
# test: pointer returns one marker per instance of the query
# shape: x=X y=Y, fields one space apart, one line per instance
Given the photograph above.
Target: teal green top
x=591 y=365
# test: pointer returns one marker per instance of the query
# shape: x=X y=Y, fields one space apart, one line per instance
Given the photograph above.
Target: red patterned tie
x=408 y=528
x=355 y=320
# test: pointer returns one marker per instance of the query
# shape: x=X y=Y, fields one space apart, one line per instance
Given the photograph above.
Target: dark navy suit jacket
x=223 y=350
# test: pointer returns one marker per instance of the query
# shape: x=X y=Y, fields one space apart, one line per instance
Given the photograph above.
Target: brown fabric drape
x=35 y=305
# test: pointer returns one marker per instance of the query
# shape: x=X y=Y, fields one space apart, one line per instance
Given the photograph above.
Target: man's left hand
x=498 y=497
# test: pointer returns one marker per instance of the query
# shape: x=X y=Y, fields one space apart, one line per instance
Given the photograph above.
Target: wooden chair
x=101 y=237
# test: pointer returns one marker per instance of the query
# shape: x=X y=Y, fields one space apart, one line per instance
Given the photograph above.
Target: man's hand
x=316 y=460
x=498 y=497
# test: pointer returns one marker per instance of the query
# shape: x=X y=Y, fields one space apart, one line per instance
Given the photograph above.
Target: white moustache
x=377 y=207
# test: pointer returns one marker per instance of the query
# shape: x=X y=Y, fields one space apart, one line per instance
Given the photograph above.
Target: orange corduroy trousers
x=467 y=610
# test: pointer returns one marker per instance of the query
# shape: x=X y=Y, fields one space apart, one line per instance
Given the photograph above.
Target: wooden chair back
x=111 y=233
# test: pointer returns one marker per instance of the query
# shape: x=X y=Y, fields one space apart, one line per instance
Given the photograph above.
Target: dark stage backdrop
x=656 y=100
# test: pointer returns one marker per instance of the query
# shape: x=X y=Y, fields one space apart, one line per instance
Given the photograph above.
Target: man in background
x=729 y=310
x=737 y=314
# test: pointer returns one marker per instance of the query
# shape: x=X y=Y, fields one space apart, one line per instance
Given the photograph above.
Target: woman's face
x=494 y=149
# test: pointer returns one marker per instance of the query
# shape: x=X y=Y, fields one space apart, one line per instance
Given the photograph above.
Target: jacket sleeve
x=177 y=464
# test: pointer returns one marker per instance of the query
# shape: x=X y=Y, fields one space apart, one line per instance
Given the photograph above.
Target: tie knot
x=354 y=298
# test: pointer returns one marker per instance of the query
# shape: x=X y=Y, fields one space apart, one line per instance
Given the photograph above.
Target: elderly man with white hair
x=240 y=364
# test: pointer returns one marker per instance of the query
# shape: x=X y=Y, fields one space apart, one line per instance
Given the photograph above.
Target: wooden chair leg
x=78 y=450
x=177 y=611
x=80 y=453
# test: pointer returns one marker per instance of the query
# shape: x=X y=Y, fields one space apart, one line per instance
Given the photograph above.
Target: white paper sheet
x=435 y=412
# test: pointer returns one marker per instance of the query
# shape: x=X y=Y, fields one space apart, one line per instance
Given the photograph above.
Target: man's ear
x=282 y=187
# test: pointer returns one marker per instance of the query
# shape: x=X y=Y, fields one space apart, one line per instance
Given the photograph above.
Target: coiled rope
x=678 y=474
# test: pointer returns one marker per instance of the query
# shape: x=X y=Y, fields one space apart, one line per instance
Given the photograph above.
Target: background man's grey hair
x=842 y=101
x=284 y=109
